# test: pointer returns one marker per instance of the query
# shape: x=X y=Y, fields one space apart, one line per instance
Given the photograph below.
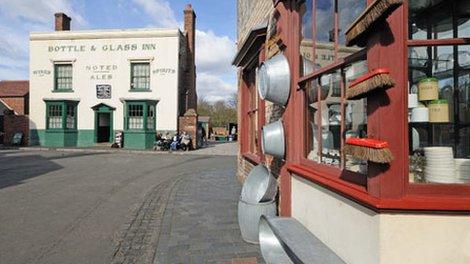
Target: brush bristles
x=358 y=91
x=378 y=9
x=383 y=155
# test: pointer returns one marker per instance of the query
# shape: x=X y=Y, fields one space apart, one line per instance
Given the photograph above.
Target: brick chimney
x=62 y=22
x=190 y=29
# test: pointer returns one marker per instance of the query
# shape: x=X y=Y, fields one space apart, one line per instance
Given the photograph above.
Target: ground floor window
x=61 y=115
x=140 y=115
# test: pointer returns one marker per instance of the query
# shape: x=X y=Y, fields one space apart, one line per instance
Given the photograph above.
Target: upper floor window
x=63 y=77
x=140 y=76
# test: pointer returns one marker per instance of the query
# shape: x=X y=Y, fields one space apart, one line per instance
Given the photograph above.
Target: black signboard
x=103 y=91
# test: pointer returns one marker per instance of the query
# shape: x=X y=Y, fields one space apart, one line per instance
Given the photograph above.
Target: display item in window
x=368 y=149
x=428 y=89
x=377 y=10
x=438 y=111
x=375 y=79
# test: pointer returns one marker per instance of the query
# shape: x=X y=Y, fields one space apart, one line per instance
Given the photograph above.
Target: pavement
x=92 y=207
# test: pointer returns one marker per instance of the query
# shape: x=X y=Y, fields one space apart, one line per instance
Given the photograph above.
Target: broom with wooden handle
x=368 y=149
x=373 y=80
x=377 y=10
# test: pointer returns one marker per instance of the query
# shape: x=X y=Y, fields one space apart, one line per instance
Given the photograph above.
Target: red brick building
x=14 y=110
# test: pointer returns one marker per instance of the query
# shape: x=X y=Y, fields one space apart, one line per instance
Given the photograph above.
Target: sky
x=215 y=36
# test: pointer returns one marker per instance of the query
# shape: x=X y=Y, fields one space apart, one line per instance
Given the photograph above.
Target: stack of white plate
x=440 y=166
x=462 y=170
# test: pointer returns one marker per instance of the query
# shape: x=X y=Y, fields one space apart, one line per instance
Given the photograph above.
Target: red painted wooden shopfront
x=391 y=44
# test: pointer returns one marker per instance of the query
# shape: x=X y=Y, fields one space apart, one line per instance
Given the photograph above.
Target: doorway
x=103 y=123
x=104 y=128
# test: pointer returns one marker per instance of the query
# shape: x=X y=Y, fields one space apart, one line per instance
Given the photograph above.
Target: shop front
x=400 y=78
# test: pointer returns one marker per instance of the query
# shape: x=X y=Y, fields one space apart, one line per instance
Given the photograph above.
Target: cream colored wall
x=350 y=230
x=430 y=239
x=361 y=236
x=164 y=87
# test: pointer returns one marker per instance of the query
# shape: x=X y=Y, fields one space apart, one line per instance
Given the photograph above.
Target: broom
x=368 y=149
x=375 y=79
x=355 y=35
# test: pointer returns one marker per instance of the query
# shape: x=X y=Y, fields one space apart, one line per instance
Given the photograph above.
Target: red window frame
x=352 y=179
x=387 y=189
x=251 y=104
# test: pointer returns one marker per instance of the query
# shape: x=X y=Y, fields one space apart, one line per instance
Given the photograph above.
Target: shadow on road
x=15 y=169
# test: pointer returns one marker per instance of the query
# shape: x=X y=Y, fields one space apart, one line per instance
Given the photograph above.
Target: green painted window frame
x=57 y=88
x=145 y=115
x=64 y=107
x=144 y=75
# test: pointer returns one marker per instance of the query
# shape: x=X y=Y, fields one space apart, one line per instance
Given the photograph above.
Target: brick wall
x=15 y=124
x=188 y=123
x=250 y=14
x=18 y=104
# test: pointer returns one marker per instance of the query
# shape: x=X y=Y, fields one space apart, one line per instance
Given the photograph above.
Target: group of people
x=181 y=141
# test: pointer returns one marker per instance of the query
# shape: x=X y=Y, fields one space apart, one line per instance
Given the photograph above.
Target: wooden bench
x=286 y=240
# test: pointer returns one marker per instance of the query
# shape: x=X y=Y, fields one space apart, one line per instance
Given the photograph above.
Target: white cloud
x=216 y=76
x=214 y=88
x=160 y=11
x=17 y=19
x=214 y=54
x=40 y=11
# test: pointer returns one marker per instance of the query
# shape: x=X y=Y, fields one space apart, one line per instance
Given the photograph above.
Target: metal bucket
x=271 y=247
x=273 y=139
x=273 y=80
x=249 y=215
x=259 y=186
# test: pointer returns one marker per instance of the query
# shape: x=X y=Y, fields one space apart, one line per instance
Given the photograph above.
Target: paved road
x=66 y=207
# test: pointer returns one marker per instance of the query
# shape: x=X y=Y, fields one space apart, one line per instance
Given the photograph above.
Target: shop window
x=439 y=92
x=61 y=115
x=63 y=77
x=55 y=116
x=439 y=19
x=253 y=110
x=136 y=117
x=151 y=117
x=330 y=117
x=71 y=117
x=140 y=115
x=140 y=76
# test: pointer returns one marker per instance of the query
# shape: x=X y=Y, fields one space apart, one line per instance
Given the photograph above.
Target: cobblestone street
x=80 y=207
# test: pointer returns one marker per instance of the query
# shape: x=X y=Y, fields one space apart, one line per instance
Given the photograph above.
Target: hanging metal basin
x=271 y=247
x=259 y=186
x=249 y=215
x=273 y=80
x=273 y=139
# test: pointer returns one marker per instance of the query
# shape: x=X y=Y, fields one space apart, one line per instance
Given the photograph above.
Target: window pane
x=63 y=76
x=435 y=19
x=324 y=23
x=55 y=116
x=140 y=75
x=348 y=12
x=70 y=117
x=306 y=43
x=324 y=119
x=439 y=122
x=136 y=116
x=355 y=120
